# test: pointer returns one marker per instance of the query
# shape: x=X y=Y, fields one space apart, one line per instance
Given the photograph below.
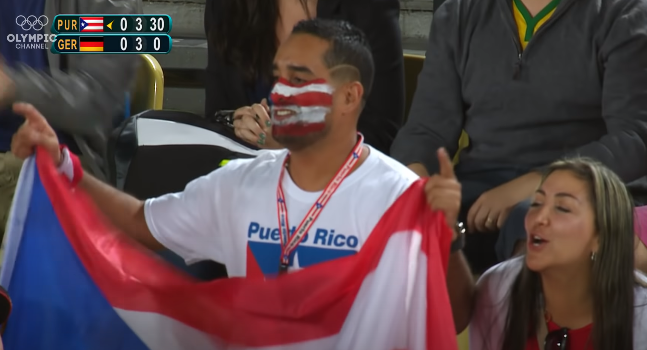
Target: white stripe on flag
x=377 y=320
x=93 y=21
x=414 y=248
x=286 y=90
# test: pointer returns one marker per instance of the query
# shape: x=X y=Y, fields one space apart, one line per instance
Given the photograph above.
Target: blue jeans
x=484 y=250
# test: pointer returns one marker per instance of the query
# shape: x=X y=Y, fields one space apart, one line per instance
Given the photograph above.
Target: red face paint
x=298 y=110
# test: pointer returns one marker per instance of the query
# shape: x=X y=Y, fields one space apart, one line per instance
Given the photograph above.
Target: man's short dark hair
x=348 y=46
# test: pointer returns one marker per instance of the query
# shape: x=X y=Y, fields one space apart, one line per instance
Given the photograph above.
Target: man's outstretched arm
x=182 y=222
x=124 y=211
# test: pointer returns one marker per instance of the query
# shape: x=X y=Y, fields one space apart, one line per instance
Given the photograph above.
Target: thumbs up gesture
x=444 y=191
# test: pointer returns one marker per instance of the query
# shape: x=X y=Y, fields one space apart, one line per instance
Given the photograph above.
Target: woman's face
x=560 y=224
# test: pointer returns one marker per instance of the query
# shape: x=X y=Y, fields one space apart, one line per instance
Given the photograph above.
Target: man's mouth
x=283 y=115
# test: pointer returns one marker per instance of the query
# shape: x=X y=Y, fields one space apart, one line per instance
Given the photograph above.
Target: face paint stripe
x=310 y=82
x=287 y=90
x=306 y=99
x=300 y=110
x=312 y=115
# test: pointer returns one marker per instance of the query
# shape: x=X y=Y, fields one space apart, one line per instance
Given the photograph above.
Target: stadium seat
x=412 y=67
x=148 y=92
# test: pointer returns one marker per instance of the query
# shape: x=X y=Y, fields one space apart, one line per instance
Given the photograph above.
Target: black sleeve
x=382 y=115
x=624 y=96
x=436 y=117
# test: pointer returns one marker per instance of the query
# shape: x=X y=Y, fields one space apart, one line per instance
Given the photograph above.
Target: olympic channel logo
x=32 y=22
x=31 y=41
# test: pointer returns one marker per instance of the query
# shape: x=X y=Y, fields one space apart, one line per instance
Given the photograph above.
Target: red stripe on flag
x=92 y=18
x=90 y=44
x=306 y=99
x=309 y=304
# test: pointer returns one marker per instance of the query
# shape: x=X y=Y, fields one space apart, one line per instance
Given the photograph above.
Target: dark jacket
x=80 y=94
x=579 y=87
x=379 y=19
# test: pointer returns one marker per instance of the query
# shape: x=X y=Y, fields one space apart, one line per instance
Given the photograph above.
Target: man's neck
x=313 y=168
x=568 y=297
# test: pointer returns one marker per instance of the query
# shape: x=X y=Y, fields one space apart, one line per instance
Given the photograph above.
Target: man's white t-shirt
x=230 y=216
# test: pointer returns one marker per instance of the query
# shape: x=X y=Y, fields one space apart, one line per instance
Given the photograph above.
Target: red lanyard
x=290 y=243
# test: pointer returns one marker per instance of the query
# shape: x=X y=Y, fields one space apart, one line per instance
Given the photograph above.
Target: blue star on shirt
x=281 y=200
x=355 y=155
x=319 y=206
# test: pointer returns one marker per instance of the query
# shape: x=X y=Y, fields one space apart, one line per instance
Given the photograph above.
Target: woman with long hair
x=576 y=287
x=243 y=37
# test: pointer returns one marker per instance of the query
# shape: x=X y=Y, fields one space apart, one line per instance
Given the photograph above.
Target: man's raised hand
x=444 y=191
x=35 y=131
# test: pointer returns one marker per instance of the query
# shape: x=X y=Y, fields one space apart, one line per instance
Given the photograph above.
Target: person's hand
x=444 y=191
x=491 y=209
x=7 y=87
x=35 y=131
x=253 y=125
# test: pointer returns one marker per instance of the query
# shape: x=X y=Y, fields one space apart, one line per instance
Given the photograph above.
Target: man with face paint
x=317 y=200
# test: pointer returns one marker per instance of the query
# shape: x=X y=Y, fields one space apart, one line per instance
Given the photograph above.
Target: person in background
x=530 y=81
x=244 y=35
x=327 y=182
x=78 y=94
x=576 y=287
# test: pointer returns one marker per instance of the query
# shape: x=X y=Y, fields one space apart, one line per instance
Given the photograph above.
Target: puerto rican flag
x=300 y=109
x=76 y=283
x=91 y=24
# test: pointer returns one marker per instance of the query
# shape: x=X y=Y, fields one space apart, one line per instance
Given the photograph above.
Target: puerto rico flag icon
x=91 y=24
x=77 y=283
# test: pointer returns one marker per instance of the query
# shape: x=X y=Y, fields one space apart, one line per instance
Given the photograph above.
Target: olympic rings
x=32 y=22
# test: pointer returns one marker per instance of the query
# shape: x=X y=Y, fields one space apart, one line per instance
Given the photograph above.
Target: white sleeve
x=190 y=223
x=491 y=307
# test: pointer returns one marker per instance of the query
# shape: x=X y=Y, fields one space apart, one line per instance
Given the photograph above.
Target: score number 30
x=138 y=44
x=157 y=24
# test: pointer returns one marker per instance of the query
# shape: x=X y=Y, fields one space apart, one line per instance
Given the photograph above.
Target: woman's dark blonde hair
x=613 y=278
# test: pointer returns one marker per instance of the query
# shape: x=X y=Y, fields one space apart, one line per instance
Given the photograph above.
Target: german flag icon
x=91 y=44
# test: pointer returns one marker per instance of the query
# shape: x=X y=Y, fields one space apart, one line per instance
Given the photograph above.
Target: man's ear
x=352 y=93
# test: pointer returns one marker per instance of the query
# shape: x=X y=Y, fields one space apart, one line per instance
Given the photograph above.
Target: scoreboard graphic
x=113 y=34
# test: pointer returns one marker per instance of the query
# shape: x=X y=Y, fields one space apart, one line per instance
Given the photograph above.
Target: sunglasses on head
x=557 y=340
